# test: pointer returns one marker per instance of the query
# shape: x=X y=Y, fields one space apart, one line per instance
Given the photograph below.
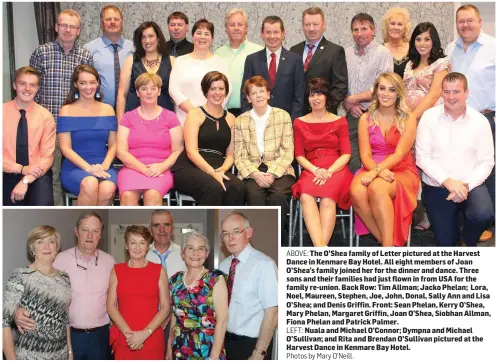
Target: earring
x=97 y=94
x=76 y=95
x=33 y=253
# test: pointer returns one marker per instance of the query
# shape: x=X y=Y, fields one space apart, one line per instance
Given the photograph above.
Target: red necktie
x=309 y=56
x=272 y=69
x=231 y=277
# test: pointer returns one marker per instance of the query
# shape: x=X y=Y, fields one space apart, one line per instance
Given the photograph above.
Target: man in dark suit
x=282 y=69
x=322 y=58
x=177 y=25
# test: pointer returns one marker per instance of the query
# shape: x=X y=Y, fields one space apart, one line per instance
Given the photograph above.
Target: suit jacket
x=289 y=86
x=328 y=62
x=278 y=144
x=184 y=47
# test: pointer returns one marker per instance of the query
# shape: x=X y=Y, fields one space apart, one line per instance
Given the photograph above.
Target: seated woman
x=140 y=288
x=322 y=149
x=149 y=140
x=200 y=305
x=87 y=137
x=264 y=149
x=384 y=190
x=202 y=170
x=44 y=292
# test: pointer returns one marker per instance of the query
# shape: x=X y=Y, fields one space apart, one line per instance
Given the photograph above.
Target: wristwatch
x=25 y=181
x=262 y=353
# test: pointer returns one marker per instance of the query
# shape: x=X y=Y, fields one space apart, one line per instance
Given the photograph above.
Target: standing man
x=55 y=62
x=110 y=51
x=235 y=52
x=177 y=45
x=27 y=155
x=89 y=271
x=366 y=60
x=163 y=251
x=454 y=150
x=282 y=69
x=252 y=293
x=473 y=54
x=322 y=58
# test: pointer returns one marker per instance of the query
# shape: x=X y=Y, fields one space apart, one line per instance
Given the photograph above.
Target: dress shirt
x=255 y=289
x=41 y=136
x=268 y=56
x=183 y=47
x=56 y=68
x=103 y=58
x=461 y=149
x=235 y=59
x=478 y=65
x=306 y=48
x=363 y=70
x=260 y=127
x=89 y=287
x=174 y=263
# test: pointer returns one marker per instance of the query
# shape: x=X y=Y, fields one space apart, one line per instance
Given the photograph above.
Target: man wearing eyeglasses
x=89 y=270
x=55 y=61
x=252 y=293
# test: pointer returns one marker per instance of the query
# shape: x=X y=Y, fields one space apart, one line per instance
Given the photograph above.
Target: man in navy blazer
x=327 y=59
x=288 y=89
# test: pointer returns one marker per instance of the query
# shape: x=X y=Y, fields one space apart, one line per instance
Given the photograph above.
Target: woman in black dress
x=203 y=169
x=150 y=56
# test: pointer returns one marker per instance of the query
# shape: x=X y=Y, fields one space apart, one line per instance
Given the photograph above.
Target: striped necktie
x=231 y=277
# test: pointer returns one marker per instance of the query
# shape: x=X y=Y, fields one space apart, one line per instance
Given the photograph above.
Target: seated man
x=27 y=161
x=454 y=149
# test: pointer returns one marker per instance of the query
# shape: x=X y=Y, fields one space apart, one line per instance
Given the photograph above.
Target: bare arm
x=123 y=90
x=123 y=153
x=112 y=309
x=177 y=146
x=433 y=95
x=111 y=150
x=165 y=304
x=220 y=295
x=364 y=146
x=266 y=332
x=8 y=343
x=67 y=151
x=230 y=151
x=194 y=120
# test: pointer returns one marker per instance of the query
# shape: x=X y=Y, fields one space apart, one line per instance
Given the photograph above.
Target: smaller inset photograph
x=140 y=284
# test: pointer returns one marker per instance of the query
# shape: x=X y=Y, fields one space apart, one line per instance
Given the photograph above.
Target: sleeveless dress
x=138 y=301
x=322 y=144
x=89 y=136
x=164 y=71
x=407 y=181
x=195 y=316
x=150 y=142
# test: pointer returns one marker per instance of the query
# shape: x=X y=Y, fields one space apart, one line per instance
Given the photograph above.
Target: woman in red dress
x=384 y=190
x=322 y=149
x=136 y=289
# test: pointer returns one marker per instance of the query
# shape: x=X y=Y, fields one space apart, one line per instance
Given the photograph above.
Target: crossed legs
x=320 y=222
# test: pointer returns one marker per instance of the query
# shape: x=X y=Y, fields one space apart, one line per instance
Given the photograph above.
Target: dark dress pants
x=241 y=347
x=92 y=345
x=355 y=159
x=40 y=192
x=477 y=210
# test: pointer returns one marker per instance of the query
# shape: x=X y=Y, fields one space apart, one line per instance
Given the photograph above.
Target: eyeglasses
x=65 y=26
x=192 y=250
x=81 y=266
x=235 y=233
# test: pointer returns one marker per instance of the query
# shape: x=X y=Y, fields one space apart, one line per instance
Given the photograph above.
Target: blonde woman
x=396 y=30
x=384 y=190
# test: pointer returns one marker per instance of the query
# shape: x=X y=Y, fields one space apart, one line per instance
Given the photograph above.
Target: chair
x=69 y=198
x=408 y=244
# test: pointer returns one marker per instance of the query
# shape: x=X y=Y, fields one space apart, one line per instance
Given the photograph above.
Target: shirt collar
x=80 y=254
x=167 y=251
x=482 y=39
x=108 y=42
x=242 y=45
x=245 y=254
x=61 y=48
x=461 y=117
x=264 y=116
x=278 y=53
x=28 y=109
x=316 y=43
x=368 y=48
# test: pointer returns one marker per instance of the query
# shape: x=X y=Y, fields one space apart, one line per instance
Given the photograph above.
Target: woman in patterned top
x=200 y=305
x=46 y=294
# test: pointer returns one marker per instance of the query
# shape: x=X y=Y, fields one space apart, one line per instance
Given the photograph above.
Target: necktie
x=174 y=53
x=272 y=69
x=22 y=154
x=309 y=56
x=117 y=67
x=163 y=257
x=231 y=277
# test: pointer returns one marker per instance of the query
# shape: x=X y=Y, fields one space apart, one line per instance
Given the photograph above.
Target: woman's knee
x=152 y=198
x=377 y=190
x=358 y=193
x=328 y=203
x=89 y=186
x=130 y=198
x=107 y=189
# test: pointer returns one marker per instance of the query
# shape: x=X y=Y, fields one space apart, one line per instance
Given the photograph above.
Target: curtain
x=46 y=17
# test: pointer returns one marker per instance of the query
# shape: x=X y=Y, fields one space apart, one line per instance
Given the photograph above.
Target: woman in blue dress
x=86 y=129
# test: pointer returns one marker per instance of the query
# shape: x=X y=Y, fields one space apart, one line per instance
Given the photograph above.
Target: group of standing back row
x=350 y=74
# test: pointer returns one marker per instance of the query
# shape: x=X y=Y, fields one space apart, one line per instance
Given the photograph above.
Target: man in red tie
x=252 y=293
x=282 y=69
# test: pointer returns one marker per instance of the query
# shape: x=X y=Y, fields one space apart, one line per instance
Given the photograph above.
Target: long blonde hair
x=401 y=109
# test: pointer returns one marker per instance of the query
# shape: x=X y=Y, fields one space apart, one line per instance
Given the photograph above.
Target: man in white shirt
x=473 y=54
x=163 y=251
x=454 y=149
x=252 y=293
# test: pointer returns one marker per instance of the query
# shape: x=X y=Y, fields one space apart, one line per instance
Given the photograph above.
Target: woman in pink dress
x=384 y=190
x=322 y=149
x=423 y=77
x=149 y=140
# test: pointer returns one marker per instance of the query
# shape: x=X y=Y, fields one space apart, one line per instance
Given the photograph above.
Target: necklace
x=144 y=265
x=188 y=286
x=151 y=63
x=47 y=275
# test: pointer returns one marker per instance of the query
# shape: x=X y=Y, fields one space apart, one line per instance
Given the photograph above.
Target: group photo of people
x=187 y=284
x=325 y=132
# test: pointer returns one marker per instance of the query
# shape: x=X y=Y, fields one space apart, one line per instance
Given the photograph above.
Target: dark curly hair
x=320 y=85
x=137 y=40
x=82 y=68
x=436 y=50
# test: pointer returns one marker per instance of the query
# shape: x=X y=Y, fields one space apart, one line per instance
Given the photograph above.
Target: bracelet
x=316 y=170
x=149 y=331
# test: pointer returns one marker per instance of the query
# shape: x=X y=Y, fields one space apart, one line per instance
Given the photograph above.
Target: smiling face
x=202 y=39
x=273 y=36
x=317 y=101
x=148 y=93
x=137 y=247
x=26 y=87
x=86 y=85
x=178 y=29
x=112 y=23
x=235 y=235
x=216 y=94
x=67 y=28
x=468 y=25
x=314 y=27
x=150 y=41
x=45 y=249
x=195 y=253
x=236 y=28
x=424 y=44
x=363 y=33
x=258 y=96
x=396 y=27
x=454 y=97
x=386 y=93
x=88 y=234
